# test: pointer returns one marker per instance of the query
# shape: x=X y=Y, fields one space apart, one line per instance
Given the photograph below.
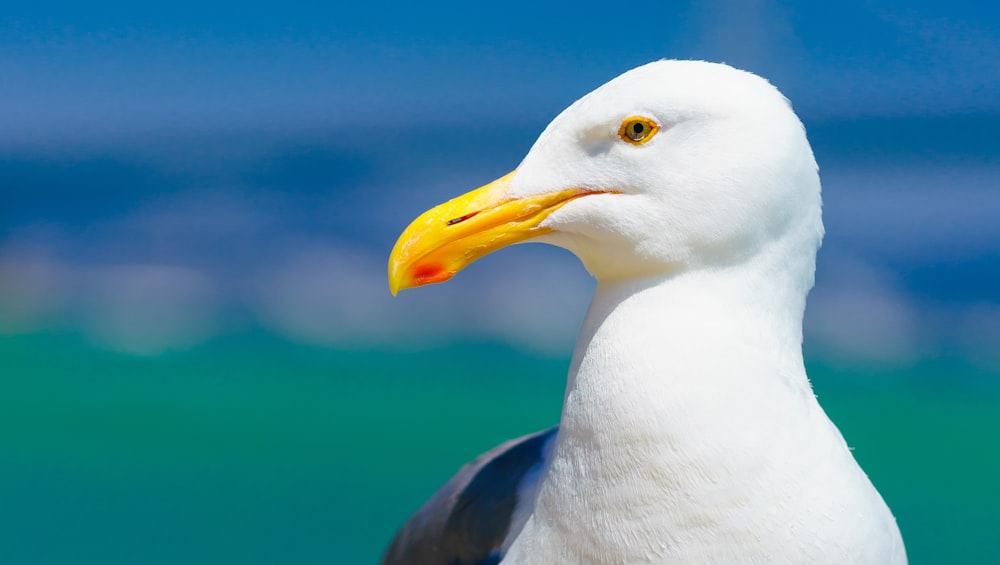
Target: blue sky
x=201 y=168
x=80 y=70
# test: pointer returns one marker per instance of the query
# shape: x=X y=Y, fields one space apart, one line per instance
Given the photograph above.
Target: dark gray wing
x=468 y=519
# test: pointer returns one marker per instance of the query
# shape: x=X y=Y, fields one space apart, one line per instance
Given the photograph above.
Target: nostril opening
x=461 y=219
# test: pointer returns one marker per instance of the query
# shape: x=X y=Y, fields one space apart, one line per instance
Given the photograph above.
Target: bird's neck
x=677 y=355
x=688 y=416
x=678 y=360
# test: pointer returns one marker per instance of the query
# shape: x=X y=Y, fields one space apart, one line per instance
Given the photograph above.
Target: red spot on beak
x=431 y=273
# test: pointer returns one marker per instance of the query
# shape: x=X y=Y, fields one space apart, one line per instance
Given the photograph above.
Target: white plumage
x=690 y=432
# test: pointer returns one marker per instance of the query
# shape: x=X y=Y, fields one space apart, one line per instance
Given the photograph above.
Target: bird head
x=672 y=166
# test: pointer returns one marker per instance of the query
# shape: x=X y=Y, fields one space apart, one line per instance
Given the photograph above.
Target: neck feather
x=688 y=409
x=660 y=354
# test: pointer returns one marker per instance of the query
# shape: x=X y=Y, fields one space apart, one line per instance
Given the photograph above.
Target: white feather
x=690 y=433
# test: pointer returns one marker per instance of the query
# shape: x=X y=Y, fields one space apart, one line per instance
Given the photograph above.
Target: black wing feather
x=467 y=520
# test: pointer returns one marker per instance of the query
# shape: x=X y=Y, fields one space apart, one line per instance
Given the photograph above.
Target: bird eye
x=637 y=130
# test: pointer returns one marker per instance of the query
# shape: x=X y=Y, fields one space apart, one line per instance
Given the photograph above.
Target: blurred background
x=200 y=361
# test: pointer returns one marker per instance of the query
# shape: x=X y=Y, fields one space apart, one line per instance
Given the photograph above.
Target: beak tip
x=394 y=279
x=431 y=251
x=396 y=283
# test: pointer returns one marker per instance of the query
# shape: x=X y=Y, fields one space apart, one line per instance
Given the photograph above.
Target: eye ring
x=637 y=130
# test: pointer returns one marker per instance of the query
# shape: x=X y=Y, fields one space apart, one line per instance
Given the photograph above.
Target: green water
x=252 y=450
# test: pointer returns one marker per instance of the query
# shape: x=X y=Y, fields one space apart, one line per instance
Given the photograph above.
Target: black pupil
x=637 y=128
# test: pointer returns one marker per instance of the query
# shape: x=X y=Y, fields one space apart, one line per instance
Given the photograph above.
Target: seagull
x=689 y=430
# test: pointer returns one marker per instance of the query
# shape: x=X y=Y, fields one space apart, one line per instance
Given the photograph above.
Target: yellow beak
x=445 y=239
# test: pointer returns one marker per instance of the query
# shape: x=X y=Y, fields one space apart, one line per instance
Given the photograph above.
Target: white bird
x=689 y=431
